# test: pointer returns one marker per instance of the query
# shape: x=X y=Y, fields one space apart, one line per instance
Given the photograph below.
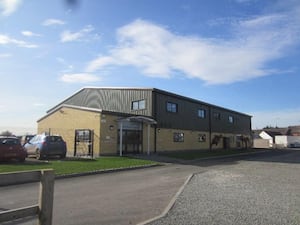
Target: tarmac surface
x=262 y=188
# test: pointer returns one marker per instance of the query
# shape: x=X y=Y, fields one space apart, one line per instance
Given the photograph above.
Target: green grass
x=63 y=167
x=190 y=155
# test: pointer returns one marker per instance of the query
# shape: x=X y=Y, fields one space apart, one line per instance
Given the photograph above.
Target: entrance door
x=132 y=141
x=226 y=142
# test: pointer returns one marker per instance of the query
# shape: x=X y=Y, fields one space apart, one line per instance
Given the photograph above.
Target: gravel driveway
x=252 y=191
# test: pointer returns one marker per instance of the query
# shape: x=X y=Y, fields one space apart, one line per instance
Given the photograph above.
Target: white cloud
x=50 y=22
x=79 y=78
x=157 y=52
x=28 y=33
x=68 y=36
x=8 y=7
x=280 y=118
x=6 y=40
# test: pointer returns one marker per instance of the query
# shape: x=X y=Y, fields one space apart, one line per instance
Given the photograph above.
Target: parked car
x=295 y=145
x=11 y=148
x=25 y=138
x=42 y=146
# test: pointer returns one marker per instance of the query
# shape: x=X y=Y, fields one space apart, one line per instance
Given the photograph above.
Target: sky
x=238 y=54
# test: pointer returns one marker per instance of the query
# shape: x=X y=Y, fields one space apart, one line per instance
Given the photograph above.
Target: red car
x=11 y=148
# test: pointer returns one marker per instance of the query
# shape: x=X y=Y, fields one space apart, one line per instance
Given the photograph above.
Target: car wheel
x=62 y=156
x=38 y=155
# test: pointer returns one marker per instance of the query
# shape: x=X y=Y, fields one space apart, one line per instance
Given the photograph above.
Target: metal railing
x=44 y=208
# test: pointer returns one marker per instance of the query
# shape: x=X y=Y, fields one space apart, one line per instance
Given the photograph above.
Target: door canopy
x=140 y=119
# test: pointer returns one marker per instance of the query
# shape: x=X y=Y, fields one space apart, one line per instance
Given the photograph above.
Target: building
x=150 y=120
x=276 y=137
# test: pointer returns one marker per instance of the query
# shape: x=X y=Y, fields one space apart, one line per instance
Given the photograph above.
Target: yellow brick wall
x=109 y=134
x=191 y=140
x=66 y=120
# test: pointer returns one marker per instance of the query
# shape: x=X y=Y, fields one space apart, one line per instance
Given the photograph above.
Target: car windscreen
x=54 y=139
x=9 y=141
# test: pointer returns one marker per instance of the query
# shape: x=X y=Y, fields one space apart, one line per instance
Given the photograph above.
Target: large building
x=149 y=119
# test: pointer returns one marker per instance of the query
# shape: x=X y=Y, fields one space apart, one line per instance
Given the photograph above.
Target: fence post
x=46 y=197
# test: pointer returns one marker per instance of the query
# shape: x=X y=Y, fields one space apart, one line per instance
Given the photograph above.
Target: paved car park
x=259 y=188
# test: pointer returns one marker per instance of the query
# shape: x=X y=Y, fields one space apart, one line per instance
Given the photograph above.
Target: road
x=125 y=197
x=130 y=197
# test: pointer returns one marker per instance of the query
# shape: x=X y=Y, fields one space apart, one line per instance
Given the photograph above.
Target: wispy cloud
x=157 y=52
x=8 y=7
x=6 y=40
x=68 y=36
x=51 y=22
x=28 y=33
x=79 y=78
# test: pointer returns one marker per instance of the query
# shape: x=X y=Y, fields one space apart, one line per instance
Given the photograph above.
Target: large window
x=140 y=104
x=178 y=137
x=172 y=107
x=201 y=113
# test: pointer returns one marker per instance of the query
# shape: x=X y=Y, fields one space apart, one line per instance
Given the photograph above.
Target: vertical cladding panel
x=115 y=100
x=241 y=123
x=185 y=118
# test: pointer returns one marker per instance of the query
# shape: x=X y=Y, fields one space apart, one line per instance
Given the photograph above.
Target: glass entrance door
x=132 y=141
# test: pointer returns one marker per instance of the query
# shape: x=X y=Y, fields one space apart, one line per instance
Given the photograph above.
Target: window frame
x=201 y=113
x=231 y=119
x=178 y=137
x=170 y=106
x=202 y=138
x=138 y=105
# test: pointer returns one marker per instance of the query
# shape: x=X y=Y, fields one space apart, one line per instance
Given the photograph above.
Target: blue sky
x=239 y=54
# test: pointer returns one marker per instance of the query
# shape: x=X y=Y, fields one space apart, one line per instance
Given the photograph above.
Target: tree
x=6 y=133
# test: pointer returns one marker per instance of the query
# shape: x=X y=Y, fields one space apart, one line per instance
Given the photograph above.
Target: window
x=217 y=115
x=202 y=138
x=230 y=119
x=140 y=104
x=201 y=113
x=172 y=107
x=178 y=137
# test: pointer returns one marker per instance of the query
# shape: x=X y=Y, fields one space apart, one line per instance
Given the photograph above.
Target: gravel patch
x=259 y=193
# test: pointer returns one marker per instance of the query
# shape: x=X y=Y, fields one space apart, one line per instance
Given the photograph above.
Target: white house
x=267 y=136
x=286 y=141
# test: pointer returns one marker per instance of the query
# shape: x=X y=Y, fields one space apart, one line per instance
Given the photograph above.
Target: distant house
x=276 y=137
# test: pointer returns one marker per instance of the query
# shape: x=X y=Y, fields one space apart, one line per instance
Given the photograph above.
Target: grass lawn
x=190 y=155
x=63 y=167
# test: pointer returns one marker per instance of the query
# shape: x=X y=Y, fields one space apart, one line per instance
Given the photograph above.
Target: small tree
x=6 y=133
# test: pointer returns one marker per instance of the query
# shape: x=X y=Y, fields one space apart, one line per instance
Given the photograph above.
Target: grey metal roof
x=147 y=88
